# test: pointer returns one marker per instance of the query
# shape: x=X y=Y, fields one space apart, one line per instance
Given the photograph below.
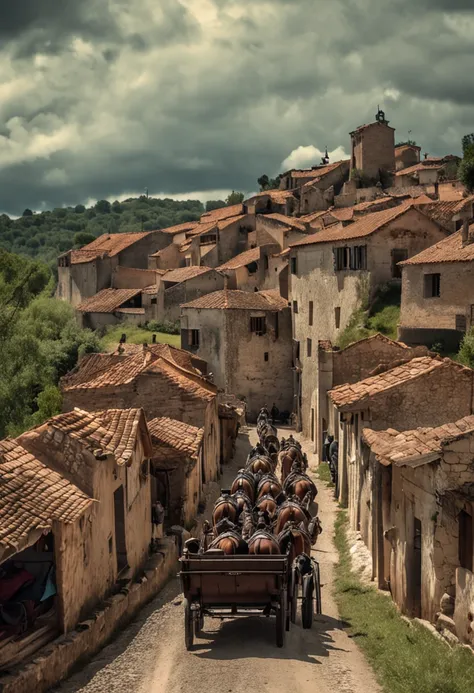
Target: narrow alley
x=236 y=656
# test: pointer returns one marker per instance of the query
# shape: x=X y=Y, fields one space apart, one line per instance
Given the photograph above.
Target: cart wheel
x=294 y=595
x=317 y=588
x=199 y=624
x=281 y=621
x=307 y=602
x=188 y=625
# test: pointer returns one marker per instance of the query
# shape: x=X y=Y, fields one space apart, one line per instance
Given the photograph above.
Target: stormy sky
x=102 y=98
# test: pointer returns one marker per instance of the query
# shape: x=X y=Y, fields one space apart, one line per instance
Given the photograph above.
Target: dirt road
x=237 y=656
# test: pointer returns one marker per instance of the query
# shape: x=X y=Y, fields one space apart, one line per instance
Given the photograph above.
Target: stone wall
x=177 y=294
x=132 y=278
x=374 y=149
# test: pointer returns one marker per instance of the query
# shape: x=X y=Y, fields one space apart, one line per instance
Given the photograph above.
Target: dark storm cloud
x=99 y=99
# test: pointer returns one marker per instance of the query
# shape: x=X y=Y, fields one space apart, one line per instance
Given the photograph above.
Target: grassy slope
x=136 y=335
x=383 y=316
x=406 y=659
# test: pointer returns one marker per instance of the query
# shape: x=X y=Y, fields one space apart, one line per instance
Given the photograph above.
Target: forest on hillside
x=44 y=235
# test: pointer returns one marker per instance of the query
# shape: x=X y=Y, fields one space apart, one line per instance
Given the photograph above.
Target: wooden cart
x=231 y=586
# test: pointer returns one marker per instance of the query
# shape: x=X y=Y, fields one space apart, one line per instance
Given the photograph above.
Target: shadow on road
x=254 y=637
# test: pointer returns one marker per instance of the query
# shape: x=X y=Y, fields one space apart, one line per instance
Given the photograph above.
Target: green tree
x=466 y=167
x=466 y=349
x=235 y=198
x=83 y=238
x=79 y=209
x=267 y=183
x=103 y=207
x=214 y=204
x=27 y=213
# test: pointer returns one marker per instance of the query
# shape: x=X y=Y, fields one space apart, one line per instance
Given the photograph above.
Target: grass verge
x=136 y=335
x=406 y=659
x=323 y=473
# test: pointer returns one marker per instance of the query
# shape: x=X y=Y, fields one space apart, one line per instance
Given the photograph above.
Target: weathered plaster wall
x=132 y=278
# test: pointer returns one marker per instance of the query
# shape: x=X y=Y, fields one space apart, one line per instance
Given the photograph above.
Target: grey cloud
x=170 y=96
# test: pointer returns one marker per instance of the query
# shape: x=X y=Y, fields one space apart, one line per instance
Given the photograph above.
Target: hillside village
x=99 y=499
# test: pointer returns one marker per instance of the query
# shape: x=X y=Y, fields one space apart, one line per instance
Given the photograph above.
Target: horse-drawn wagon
x=225 y=586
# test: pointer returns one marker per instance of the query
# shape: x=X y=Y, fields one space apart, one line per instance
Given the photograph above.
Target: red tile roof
x=79 y=257
x=241 y=260
x=239 y=300
x=363 y=227
x=175 y=434
x=223 y=213
x=107 y=300
x=292 y=222
x=416 y=446
x=317 y=172
x=33 y=497
x=113 y=244
x=418 y=167
x=347 y=395
x=277 y=196
x=180 y=228
x=378 y=337
x=180 y=357
x=182 y=274
x=450 y=249
x=225 y=223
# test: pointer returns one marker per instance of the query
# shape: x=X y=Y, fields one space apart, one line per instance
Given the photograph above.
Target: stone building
x=246 y=339
x=438 y=293
x=356 y=362
x=83 y=273
x=424 y=173
x=373 y=147
x=184 y=284
x=269 y=201
x=336 y=270
x=406 y=155
x=279 y=229
x=215 y=242
x=162 y=384
x=422 y=515
x=112 y=306
x=177 y=469
x=425 y=391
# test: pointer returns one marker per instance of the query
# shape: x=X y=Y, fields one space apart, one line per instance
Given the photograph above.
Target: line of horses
x=263 y=514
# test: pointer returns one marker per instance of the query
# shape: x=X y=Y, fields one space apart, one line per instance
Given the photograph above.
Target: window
x=258 y=326
x=188 y=262
x=265 y=356
x=293 y=265
x=465 y=546
x=461 y=323
x=194 y=338
x=310 y=317
x=432 y=285
x=296 y=351
x=265 y=262
x=153 y=301
x=398 y=255
x=337 y=317
x=354 y=258
x=309 y=347
x=295 y=306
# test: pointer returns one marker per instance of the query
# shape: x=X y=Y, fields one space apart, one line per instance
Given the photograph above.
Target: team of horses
x=263 y=513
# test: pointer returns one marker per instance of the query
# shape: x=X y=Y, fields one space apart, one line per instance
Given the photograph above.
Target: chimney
x=465 y=233
x=426 y=155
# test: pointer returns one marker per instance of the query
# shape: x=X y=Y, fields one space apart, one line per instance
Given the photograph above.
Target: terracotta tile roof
x=239 y=300
x=308 y=218
x=450 y=249
x=277 y=196
x=417 y=446
x=418 y=167
x=342 y=213
x=78 y=257
x=378 y=337
x=107 y=300
x=180 y=228
x=241 y=260
x=362 y=206
x=367 y=225
x=317 y=172
x=33 y=496
x=224 y=224
x=406 y=146
x=370 y=125
x=145 y=362
x=182 y=274
x=113 y=431
x=176 y=434
x=180 y=357
x=150 y=290
x=291 y=222
x=357 y=393
x=90 y=366
x=223 y=213
x=113 y=244
x=443 y=211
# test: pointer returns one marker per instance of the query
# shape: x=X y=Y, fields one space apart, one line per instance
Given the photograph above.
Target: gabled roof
x=317 y=172
x=419 y=167
x=225 y=223
x=277 y=196
x=113 y=244
x=180 y=357
x=450 y=249
x=107 y=300
x=348 y=395
x=223 y=213
x=79 y=257
x=239 y=300
x=367 y=225
x=182 y=274
x=174 y=434
x=378 y=337
x=291 y=222
x=33 y=497
x=180 y=228
x=407 y=146
x=443 y=211
x=417 y=446
x=241 y=260
x=376 y=123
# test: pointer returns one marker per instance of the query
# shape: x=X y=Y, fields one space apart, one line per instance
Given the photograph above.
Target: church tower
x=373 y=147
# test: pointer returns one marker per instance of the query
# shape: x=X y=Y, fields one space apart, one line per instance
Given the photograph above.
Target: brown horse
x=287 y=457
x=242 y=500
x=231 y=543
x=244 y=481
x=269 y=485
x=225 y=507
x=292 y=511
x=294 y=540
x=260 y=463
x=299 y=484
x=267 y=504
x=247 y=524
x=264 y=544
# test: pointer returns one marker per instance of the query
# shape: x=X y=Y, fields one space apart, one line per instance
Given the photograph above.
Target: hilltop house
x=184 y=284
x=159 y=382
x=336 y=270
x=406 y=155
x=246 y=339
x=438 y=293
x=373 y=147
